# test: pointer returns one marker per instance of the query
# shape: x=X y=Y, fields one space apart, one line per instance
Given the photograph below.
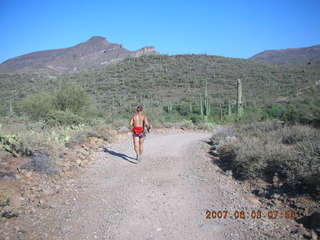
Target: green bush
x=276 y=111
x=37 y=106
x=71 y=98
x=183 y=110
x=14 y=145
x=68 y=106
x=3 y=109
x=60 y=118
x=196 y=119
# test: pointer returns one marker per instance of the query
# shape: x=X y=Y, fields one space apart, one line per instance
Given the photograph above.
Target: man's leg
x=136 y=146
x=141 y=141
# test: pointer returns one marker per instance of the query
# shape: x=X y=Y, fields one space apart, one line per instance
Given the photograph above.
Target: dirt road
x=163 y=197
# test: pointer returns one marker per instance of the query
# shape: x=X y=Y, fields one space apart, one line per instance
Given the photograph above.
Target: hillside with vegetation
x=177 y=83
x=302 y=56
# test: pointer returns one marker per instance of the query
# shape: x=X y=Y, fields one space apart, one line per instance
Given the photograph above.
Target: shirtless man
x=139 y=121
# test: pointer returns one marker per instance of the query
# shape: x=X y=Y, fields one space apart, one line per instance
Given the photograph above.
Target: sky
x=238 y=28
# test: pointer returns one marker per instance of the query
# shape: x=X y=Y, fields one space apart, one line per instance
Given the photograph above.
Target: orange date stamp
x=251 y=214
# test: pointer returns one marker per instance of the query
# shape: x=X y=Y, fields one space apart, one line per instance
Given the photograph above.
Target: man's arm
x=131 y=122
x=146 y=122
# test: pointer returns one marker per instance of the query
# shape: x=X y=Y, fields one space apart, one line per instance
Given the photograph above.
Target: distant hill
x=308 y=55
x=157 y=80
x=97 y=51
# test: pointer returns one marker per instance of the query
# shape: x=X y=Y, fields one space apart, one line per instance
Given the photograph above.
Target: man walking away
x=139 y=122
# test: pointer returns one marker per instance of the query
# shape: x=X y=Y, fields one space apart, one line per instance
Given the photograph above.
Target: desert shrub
x=292 y=114
x=259 y=127
x=293 y=152
x=249 y=160
x=297 y=133
x=187 y=124
x=275 y=111
x=281 y=160
x=12 y=144
x=71 y=98
x=91 y=113
x=310 y=150
x=170 y=117
x=119 y=122
x=3 y=109
x=205 y=125
x=100 y=130
x=43 y=162
x=183 y=110
x=196 y=119
x=68 y=106
x=251 y=115
x=126 y=116
x=37 y=106
x=60 y=118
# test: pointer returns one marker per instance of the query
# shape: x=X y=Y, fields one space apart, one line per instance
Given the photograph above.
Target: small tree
x=72 y=98
x=37 y=106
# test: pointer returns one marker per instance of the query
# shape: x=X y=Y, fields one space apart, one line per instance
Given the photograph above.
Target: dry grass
x=264 y=150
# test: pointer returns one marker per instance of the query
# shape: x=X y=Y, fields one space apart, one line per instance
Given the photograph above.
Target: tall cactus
x=239 y=99
x=10 y=107
x=204 y=103
x=169 y=107
x=229 y=108
x=201 y=106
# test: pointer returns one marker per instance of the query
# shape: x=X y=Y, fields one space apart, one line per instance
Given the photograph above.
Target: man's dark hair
x=140 y=108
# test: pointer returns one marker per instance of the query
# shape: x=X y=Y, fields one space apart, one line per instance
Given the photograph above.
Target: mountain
x=158 y=80
x=308 y=55
x=95 y=52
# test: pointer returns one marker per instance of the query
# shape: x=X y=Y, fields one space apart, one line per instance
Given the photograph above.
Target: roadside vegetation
x=39 y=111
x=286 y=156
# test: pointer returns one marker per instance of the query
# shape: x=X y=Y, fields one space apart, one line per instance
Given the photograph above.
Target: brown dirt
x=165 y=196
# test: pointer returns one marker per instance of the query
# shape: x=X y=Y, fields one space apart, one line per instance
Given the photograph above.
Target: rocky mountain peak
x=94 y=52
x=96 y=39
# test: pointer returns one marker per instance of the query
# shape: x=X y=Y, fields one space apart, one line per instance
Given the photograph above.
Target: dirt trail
x=163 y=197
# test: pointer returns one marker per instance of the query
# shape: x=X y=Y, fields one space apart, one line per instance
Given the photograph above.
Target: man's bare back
x=139 y=120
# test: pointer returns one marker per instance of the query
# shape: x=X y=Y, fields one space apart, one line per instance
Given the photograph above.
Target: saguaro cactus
x=229 y=108
x=10 y=107
x=169 y=107
x=201 y=106
x=239 y=99
x=204 y=103
x=190 y=108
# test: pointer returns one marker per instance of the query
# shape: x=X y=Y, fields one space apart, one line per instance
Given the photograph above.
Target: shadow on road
x=120 y=155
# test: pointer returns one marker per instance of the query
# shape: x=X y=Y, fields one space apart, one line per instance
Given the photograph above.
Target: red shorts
x=138 y=132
